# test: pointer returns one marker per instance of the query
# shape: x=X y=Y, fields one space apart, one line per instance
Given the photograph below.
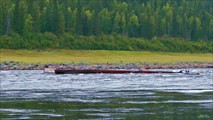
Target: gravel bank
x=18 y=66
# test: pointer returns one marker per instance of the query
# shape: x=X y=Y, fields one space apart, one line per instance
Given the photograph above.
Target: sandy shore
x=17 y=66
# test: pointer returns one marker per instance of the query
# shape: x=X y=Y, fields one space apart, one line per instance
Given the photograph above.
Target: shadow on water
x=34 y=95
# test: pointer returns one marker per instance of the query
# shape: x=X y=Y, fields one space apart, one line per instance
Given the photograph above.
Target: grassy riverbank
x=100 y=56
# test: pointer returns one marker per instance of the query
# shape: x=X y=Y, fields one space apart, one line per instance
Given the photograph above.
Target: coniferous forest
x=158 y=25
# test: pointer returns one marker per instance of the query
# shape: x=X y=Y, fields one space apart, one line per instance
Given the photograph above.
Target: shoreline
x=18 y=66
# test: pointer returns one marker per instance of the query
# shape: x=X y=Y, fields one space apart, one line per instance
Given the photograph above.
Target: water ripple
x=104 y=96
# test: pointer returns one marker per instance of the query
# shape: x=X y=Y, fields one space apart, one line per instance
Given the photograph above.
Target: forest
x=158 y=25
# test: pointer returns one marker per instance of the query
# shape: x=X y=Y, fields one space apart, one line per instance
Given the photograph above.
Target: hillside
x=107 y=24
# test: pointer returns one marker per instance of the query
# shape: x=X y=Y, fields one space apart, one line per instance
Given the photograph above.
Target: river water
x=32 y=94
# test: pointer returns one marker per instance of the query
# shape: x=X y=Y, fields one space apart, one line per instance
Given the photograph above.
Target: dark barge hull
x=68 y=71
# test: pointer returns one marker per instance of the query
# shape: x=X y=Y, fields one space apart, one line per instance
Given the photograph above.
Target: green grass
x=101 y=56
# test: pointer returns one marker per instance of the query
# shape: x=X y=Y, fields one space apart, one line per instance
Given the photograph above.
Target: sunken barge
x=103 y=71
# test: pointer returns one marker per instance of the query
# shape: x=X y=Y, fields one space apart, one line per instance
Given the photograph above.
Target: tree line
x=159 y=25
x=188 y=19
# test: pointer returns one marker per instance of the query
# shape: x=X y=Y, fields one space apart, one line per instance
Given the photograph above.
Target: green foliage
x=186 y=19
x=102 y=42
x=156 y=25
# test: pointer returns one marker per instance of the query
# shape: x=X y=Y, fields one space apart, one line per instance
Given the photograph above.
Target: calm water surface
x=35 y=95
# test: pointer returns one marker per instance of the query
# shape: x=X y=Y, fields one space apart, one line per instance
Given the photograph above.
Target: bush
x=102 y=42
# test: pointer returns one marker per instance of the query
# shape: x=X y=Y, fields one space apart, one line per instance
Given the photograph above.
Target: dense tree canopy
x=188 y=19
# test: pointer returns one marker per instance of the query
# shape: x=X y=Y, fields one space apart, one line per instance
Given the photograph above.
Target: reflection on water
x=34 y=95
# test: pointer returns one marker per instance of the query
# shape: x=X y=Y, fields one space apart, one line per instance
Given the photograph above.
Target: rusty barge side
x=67 y=71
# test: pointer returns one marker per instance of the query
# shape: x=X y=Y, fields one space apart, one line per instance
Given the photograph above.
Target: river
x=32 y=94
